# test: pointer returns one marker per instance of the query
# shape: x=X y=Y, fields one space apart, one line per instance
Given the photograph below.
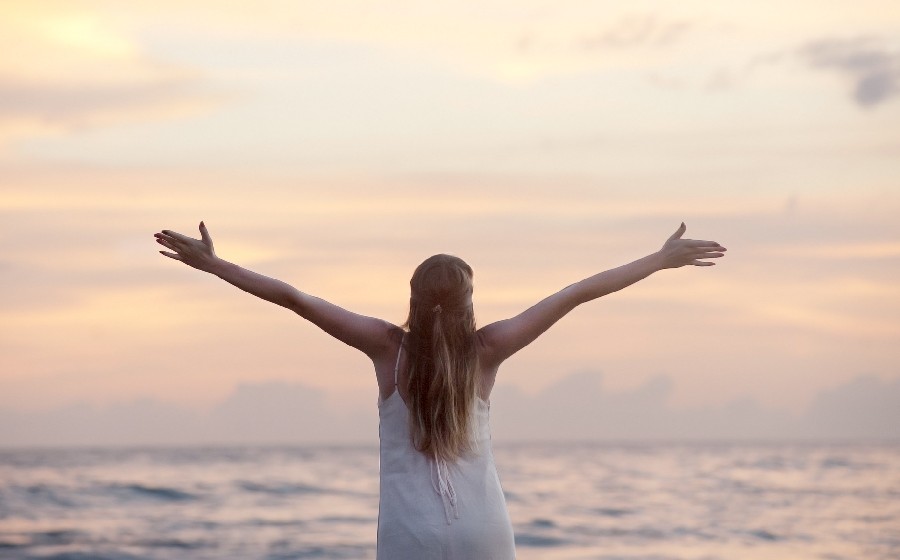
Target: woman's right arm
x=500 y=340
x=370 y=335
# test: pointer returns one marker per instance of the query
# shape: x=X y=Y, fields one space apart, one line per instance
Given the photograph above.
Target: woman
x=440 y=495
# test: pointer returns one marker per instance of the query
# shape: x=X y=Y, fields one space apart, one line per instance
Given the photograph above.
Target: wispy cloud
x=71 y=107
x=637 y=30
x=868 y=63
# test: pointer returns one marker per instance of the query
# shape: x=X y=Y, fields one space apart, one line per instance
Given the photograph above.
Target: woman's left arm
x=370 y=335
x=504 y=338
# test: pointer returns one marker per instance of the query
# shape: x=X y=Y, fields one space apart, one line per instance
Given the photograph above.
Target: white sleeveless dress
x=433 y=510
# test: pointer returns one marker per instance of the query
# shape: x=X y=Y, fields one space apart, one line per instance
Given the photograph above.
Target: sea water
x=644 y=501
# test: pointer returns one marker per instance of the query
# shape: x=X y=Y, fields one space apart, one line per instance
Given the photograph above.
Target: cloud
x=637 y=30
x=281 y=411
x=576 y=408
x=872 y=68
x=66 y=69
x=267 y=412
x=863 y=405
x=78 y=106
x=505 y=42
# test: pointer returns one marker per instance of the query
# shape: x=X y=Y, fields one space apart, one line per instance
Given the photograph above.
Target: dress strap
x=397 y=365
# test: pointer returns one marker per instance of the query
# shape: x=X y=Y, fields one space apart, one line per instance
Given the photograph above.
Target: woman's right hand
x=197 y=253
x=677 y=252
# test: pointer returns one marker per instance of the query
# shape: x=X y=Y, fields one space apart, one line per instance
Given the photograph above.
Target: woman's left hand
x=677 y=252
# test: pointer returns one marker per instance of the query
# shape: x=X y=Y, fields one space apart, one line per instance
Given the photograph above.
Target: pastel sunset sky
x=336 y=144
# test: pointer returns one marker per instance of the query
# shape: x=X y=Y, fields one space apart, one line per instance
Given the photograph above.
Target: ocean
x=642 y=501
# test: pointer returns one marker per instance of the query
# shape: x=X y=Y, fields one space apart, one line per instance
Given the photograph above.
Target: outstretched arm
x=502 y=339
x=370 y=335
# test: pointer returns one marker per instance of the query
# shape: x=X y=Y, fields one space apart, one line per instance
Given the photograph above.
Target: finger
x=710 y=255
x=169 y=244
x=696 y=262
x=702 y=243
x=166 y=243
x=178 y=236
x=170 y=241
x=679 y=232
x=204 y=234
x=170 y=255
x=708 y=249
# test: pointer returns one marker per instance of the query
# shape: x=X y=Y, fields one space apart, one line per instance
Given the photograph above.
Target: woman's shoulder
x=486 y=349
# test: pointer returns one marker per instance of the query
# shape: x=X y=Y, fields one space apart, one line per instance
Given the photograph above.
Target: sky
x=335 y=145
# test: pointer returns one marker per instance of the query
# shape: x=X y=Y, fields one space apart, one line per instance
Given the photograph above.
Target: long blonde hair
x=442 y=358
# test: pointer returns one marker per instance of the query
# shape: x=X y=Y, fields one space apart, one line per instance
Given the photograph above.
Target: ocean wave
x=613 y=512
x=57 y=537
x=87 y=556
x=172 y=543
x=163 y=493
x=738 y=501
x=15 y=543
x=280 y=489
x=312 y=552
x=295 y=489
x=353 y=520
x=295 y=523
x=38 y=495
x=643 y=533
x=539 y=541
x=762 y=534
